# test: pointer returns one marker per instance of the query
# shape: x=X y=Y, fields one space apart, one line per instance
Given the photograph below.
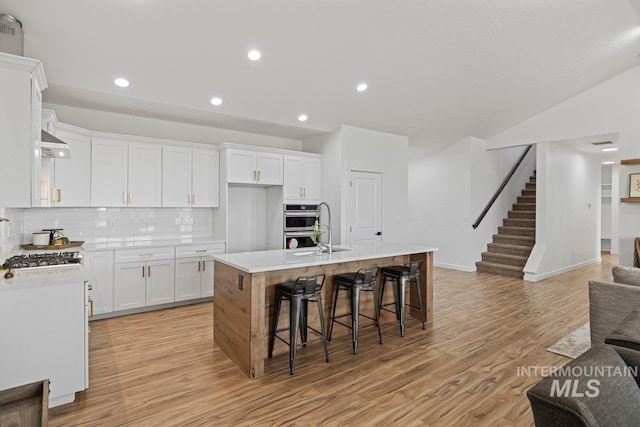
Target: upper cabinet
x=254 y=167
x=302 y=178
x=67 y=182
x=21 y=84
x=125 y=174
x=190 y=177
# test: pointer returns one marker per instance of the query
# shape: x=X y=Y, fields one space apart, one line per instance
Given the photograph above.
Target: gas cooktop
x=51 y=259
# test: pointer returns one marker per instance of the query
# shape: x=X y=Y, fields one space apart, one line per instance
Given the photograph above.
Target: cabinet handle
x=59 y=198
x=149 y=271
x=124 y=198
x=89 y=287
x=198 y=265
x=258 y=175
x=90 y=307
x=130 y=197
x=204 y=265
x=255 y=176
x=193 y=198
x=44 y=190
x=143 y=271
x=304 y=191
x=188 y=198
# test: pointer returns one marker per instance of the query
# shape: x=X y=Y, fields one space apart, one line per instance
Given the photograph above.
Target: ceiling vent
x=11 y=37
x=602 y=143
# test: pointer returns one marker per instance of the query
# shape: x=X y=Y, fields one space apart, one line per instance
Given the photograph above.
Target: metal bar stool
x=299 y=293
x=410 y=272
x=362 y=280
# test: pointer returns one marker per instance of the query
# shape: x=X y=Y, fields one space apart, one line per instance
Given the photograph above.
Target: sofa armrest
x=609 y=305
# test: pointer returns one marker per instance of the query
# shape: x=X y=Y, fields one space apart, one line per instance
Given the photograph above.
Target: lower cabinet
x=146 y=282
x=102 y=283
x=194 y=270
x=126 y=279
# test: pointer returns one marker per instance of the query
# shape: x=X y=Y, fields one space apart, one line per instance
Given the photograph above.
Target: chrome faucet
x=328 y=244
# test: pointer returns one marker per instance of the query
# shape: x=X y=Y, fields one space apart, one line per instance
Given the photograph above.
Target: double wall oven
x=299 y=221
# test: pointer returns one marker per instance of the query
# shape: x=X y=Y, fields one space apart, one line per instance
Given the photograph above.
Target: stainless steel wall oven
x=298 y=225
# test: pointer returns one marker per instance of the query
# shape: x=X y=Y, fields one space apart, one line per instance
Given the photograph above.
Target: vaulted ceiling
x=437 y=70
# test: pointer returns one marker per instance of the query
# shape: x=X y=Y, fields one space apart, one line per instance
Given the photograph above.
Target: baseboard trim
x=533 y=277
x=455 y=267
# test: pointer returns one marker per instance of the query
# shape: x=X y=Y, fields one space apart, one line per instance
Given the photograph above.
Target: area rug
x=574 y=344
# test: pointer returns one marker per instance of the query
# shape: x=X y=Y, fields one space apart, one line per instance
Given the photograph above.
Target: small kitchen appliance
x=11 y=37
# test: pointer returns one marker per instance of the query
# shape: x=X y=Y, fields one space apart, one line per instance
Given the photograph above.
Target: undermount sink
x=303 y=253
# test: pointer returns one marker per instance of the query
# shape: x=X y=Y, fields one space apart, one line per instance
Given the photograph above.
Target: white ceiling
x=437 y=70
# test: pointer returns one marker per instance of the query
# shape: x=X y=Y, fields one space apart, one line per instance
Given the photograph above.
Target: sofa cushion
x=627 y=333
x=626 y=275
x=567 y=398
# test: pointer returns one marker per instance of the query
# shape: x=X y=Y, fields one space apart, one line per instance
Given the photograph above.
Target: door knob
x=379 y=233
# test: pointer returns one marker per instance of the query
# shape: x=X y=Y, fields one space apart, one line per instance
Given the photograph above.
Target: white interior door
x=364 y=207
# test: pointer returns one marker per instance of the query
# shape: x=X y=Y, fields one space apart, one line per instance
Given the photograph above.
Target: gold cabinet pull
x=254 y=176
x=201 y=250
x=89 y=287
x=204 y=265
x=258 y=175
x=198 y=265
x=130 y=197
x=90 y=307
x=149 y=271
x=193 y=199
x=143 y=271
x=188 y=198
x=124 y=198
x=59 y=192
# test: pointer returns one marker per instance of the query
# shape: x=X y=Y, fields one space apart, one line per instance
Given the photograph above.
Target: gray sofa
x=611 y=302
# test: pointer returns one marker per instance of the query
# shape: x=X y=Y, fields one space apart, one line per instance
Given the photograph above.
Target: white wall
x=449 y=189
x=142 y=126
x=10 y=232
x=611 y=107
x=367 y=150
x=567 y=215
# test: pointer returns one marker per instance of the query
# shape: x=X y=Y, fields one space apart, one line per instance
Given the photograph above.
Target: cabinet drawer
x=144 y=254
x=200 y=250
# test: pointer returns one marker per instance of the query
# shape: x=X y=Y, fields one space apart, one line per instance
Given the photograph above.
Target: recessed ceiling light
x=610 y=149
x=362 y=87
x=216 y=101
x=608 y=162
x=254 y=55
x=302 y=117
x=120 y=82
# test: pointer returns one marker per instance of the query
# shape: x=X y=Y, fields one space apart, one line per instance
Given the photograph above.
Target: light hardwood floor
x=162 y=368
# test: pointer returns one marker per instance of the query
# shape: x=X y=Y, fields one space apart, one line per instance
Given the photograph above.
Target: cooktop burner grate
x=43 y=260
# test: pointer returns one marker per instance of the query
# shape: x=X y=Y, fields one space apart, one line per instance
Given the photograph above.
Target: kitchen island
x=245 y=292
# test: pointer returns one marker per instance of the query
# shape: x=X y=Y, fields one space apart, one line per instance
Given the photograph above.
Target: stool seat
x=354 y=283
x=355 y=278
x=291 y=288
x=396 y=270
x=401 y=275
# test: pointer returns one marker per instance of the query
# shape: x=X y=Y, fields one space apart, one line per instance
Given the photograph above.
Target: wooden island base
x=243 y=304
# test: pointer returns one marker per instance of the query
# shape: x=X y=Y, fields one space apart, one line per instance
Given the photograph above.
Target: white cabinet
x=21 y=84
x=302 y=179
x=44 y=335
x=190 y=177
x=143 y=277
x=102 y=283
x=125 y=173
x=250 y=167
x=67 y=182
x=194 y=270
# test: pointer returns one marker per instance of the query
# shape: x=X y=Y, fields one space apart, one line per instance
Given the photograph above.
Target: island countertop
x=262 y=261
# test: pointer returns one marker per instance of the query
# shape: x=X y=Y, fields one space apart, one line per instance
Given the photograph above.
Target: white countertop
x=46 y=277
x=259 y=261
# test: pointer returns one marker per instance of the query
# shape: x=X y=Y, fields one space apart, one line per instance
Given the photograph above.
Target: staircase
x=511 y=247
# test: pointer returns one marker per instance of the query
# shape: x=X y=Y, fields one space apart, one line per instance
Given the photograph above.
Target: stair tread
x=506 y=256
x=508 y=246
x=516 y=237
x=514 y=227
x=499 y=266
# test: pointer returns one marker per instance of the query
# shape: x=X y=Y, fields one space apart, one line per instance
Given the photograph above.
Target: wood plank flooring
x=162 y=368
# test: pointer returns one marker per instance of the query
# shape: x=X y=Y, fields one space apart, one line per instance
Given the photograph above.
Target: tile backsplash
x=99 y=225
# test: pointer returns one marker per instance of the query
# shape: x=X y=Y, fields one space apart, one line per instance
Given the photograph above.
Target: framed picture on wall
x=634 y=185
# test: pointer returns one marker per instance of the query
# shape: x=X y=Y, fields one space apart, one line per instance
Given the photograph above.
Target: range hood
x=52 y=147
